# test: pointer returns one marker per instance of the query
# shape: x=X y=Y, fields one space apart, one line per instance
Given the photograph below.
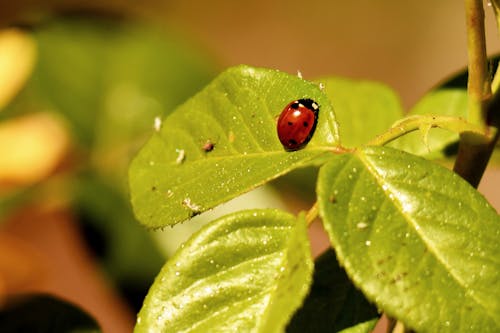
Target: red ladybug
x=297 y=123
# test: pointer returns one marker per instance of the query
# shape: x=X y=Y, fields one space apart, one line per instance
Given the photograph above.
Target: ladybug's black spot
x=305 y=124
x=292 y=142
x=290 y=123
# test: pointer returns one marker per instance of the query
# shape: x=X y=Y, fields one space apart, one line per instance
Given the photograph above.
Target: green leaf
x=173 y=178
x=416 y=238
x=246 y=272
x=436 y=143
x=169 y=239
x=333 y=303
x=449 y=99
x=364 y=109
x=44 y=314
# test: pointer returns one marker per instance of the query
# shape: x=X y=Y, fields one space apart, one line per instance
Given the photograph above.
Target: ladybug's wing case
x=297 y=123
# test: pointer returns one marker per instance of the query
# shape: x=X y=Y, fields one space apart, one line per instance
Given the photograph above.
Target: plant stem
x=478 y=84
x=312 y=214
x=474 y=151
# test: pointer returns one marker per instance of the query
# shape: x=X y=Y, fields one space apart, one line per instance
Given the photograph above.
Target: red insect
x=297 y=123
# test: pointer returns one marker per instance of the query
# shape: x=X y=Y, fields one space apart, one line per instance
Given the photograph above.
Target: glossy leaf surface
x=364 y=109
x=436 y=143
x=246 y=272
x=221 y=143
x=416 y=238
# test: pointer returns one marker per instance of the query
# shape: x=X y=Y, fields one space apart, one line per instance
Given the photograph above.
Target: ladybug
x=297 y=123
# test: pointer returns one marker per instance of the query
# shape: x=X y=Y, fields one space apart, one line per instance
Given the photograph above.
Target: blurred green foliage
x=109 y=78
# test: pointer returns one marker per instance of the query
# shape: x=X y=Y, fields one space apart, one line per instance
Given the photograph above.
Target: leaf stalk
x=424 y=123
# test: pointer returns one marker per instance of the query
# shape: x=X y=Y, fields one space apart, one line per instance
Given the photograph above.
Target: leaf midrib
x=201 y=282
x=430 y=245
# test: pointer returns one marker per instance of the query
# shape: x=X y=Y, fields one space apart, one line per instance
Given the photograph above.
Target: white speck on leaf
x=181 y=155
x=361 y=225
x=157 y=124
x=191 y=205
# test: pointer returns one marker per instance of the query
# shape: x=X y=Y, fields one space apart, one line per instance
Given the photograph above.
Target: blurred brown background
x=409 y=45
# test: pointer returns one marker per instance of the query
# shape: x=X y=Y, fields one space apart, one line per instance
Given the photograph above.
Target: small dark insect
x=208 y=146
x=332 y=199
